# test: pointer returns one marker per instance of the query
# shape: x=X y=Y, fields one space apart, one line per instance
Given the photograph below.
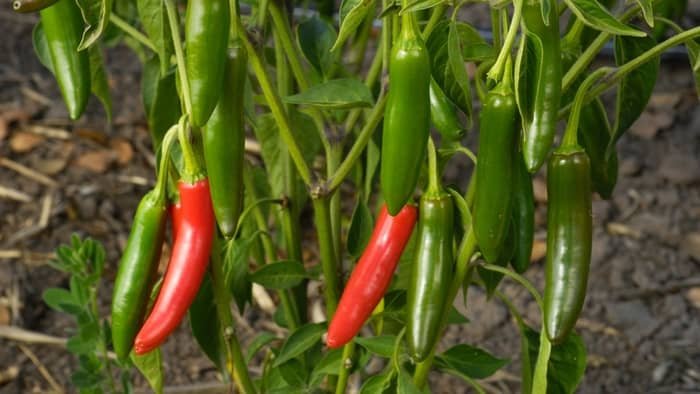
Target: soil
x=640 y=324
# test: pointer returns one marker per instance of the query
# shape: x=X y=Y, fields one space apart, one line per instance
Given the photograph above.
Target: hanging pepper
x=523 y=216
x=432 y=265
x=189 y=258
x=494 y=170
x=139 y=263
x=206 y=38
x=63 y=27
x=407 y=116
x=224 y=145
x=540 y=94
x=372 y=274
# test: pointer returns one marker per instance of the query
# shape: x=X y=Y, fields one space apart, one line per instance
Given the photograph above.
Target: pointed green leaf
x=280 y=275
x=378 y=383
x=98 y=80
x=360 y=230
x=151 y=367
x=647 y=11
x=236 y=253
x=382 y=345
x=598 y=17
x=206 y=325
x=155 y=22
x=299 y=341
x=316 y=38
x=352 y=13
x=96 y=16
x=258 y=343
x=470 y=361
x=335 y=94
x=329 y=365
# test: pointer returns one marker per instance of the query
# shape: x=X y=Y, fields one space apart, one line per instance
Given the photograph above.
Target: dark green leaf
x=457 y=67
x=62 y=300
x=598 y=17
x=360 y=229
x=155 y=22
x=378 y=383
x=373 y=154
x=470 y=361
x=280 y=275
x=635 y=88
x=316 y=37
x=352 y=13
x=151 y=367
x=419 y=5
x=335 y=94
x=85 y=380
x=258 y=343
x=647 y=11
x=41 y=47
x=293 y=373
x=594 y=136
x=98 y=80
x=96 y=17
x=382 y=345
x=299 y=341
x=672 y=10
x=406 y=385
x=236 y=254
x=329 y=365
x=206 y=325
x=567 y=362
x=454 y=317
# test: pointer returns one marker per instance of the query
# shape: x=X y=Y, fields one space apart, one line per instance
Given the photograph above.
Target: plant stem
x=179 y=54
x=518 y=278
x=539 y=384
x=526 y=364
x=235 y=363
x=570 y=139
x=329 y=264
x=332 y=163
x=130 y=30
x=345 y=367
x=360 y=143
x=496 y=71
x=275 y=103
x=435 y=17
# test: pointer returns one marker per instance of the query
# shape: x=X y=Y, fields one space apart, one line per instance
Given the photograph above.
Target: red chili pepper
x=175 y=213
x=186 y=268
x=372 y=275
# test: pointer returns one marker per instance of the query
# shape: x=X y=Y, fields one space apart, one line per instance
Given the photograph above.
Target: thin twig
x=8 y=374
x=13 y=194
x=42 y=369
x=21 y=335
x=50 y=132
x=27 y=172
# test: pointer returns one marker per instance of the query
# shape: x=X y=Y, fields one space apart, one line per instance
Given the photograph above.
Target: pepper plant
x=336 y=101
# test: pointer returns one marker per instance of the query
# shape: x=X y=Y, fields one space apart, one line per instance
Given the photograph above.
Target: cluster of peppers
x=503 y=202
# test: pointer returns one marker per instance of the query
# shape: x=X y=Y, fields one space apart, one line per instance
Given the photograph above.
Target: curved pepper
x=406 y=118
x=544 y=87
x=186 y=268
x=224 y=145
x=206 y=37
x=63 y=27
x=494 y=170
x=569 y=238
x=372 y=274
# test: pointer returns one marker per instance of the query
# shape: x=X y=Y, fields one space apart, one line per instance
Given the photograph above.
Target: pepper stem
x=497 y=70
x=192 y=171
x=161 y=188
x=433 y=173
x=570 y=141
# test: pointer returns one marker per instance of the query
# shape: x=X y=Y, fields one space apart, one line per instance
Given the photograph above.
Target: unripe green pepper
x=443 y=114
x=542 y=88
x=63 y=27
x=523 y=216
x=494 y=170
x=206 y=38
x=224 y=144
x=569 y=238
x=406 y=118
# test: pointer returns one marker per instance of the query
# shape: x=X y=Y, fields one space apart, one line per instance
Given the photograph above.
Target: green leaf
x=96 y=17
x=352 y=13
x=456 y=65
x=454 y=317
x=41 y=47
x=235 y=267
x=160 y=100
x=299 y=341
x=419 y=5
x=373 y=154
x=647 y=11
x=342 y=93
x=406 y=385
x=99 y=85
x=595 y=15
x=694 y=57
x=151 y=367
x=382 y=345
x=155 y=23
x=206 y=325
x=62 y=300
x=470 y=361
x=316 y=37
x=293 y=373
x=360 y=230
x=594 y=136
x=280 y=275
x=567 y=362
x=378 y=383
x=329 y=365
x=635 y=88
x=258 y=343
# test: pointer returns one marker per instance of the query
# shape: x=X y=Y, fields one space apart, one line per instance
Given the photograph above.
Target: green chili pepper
x=139 y=262
x=406 y=118
x=494 y=170
x=432 y=267
x=540 y=95
x=568 y=241
x=523 y=216
x=443 y=114
x=206 y=38
x=63 y=27
x=24 y=6
x=224 y=145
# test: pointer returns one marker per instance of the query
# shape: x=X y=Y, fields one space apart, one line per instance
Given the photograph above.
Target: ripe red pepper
x=175 y=213
x=372 y=275
x=186 y=268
